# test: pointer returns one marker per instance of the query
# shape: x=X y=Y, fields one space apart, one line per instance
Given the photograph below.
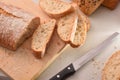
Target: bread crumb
x=97 y=64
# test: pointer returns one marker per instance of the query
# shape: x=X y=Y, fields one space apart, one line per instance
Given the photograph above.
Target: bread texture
x=55 y=8
x=66 y=27
x=83 y=26
x=111 y=4
x=88 y=6
x=111 y=70
x=16 y=25
x=42 y=36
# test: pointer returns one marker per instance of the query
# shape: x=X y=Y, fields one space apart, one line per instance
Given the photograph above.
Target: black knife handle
x=66 y=72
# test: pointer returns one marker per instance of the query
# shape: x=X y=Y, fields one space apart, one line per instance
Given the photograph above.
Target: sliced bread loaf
x=88 y=6
x=111 y=70
x=42 y=36
x=82 y=26
x=66 y=27
x=111 y=4
x=55 y=8
x=15 y=26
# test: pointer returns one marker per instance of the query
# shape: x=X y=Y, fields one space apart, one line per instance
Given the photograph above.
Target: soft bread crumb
x=55 y=8
x=42 y=36
x=111 y=70
x=81 y=32
x=67 y=27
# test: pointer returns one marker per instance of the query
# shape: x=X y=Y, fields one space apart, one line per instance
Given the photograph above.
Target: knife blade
x=76 y=65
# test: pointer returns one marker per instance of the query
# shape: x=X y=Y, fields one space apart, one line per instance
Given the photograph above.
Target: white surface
x=104 y=23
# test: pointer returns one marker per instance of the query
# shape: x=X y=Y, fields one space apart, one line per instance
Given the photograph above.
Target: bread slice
x=55 y=8
x=80 y=13
x=81 y=32
x=111 y=70
x=111 y=4
x=16 y=25
x=66 y=27
x=42 y=36
x=88 y=6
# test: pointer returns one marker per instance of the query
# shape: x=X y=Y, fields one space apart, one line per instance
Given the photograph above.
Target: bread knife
x=74 y=66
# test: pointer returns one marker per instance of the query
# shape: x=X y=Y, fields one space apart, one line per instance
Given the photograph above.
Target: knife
x=74 y=66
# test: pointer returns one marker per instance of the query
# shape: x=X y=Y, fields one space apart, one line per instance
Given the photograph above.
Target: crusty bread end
x=16 y=25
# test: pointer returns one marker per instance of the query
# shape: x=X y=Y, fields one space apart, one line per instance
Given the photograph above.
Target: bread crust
x=88 y=6
x=77 y=31
x=66 y=27
x=80 y=31
x=16 y=26
x=83 y=25
x=114 y=60
x=111 y=4
x=56 y=15
x=44 y=32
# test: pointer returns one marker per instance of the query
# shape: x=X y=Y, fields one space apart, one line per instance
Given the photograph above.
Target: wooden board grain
x=22 y=64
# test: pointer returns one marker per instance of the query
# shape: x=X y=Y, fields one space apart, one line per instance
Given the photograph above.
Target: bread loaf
x=111 y=4
x=15 y=26
x=88 y=6
x=111 y=70
x=42 y=36
x=66 y=27
x=55 y=8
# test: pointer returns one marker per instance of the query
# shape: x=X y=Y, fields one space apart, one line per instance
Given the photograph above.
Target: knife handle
x=66 y=72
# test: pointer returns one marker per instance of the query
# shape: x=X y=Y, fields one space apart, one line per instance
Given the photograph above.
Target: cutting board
x=22 y=64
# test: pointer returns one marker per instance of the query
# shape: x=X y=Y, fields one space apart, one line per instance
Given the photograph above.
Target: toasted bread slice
x=42 y=36
x=55 y=8
x=66 y=27
x=111 y=70
x=111 y=4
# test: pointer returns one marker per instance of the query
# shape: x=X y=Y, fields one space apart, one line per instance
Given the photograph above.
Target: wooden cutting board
x=22 y=64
